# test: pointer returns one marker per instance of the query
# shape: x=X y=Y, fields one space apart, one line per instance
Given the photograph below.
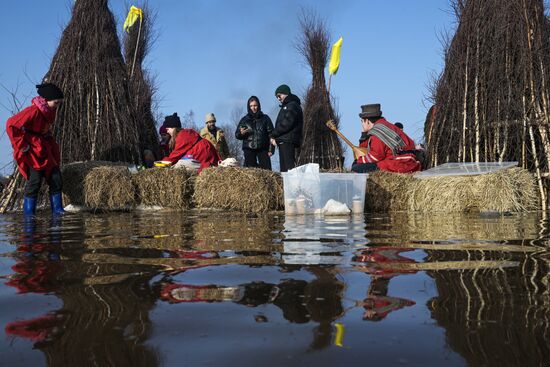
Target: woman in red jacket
x=34 y=148
x=187 y=142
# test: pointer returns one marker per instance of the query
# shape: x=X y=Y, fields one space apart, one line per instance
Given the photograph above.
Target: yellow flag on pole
x=335 y=57
x=133 y=15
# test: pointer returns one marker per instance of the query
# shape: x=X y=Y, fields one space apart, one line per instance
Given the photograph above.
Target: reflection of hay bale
x=511 y=190
x=73 y=179
x=238 y=233
x=243 y=189
x=109 y=187
x=169 y=188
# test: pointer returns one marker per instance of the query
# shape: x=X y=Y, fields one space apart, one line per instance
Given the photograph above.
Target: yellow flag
x=339 y=338
x=335 y=57
x=133 y=15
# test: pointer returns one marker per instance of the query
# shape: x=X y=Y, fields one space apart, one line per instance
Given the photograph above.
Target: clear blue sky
x=211 y=55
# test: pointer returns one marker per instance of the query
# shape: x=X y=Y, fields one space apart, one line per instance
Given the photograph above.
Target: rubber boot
x=57 y=204
x=29 y=205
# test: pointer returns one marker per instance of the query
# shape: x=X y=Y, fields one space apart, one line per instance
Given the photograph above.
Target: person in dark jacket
x=287 y=133
x=254 y=130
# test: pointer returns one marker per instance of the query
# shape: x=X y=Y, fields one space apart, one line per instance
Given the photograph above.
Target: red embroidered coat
x=31 y=138
x=382 y=155
x=188 y=142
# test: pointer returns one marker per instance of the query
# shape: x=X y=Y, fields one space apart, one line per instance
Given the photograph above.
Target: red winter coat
x=382 y=155
x=189 y=142
x=31 y=138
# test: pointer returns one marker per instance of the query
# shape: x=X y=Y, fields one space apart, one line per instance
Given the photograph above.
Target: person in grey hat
x=389 y=148
x=287 y=134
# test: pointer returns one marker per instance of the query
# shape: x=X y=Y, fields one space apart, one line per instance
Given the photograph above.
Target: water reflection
x=149 y=289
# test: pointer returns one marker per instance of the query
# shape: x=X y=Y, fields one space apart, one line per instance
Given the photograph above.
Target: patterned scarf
x=388 y=137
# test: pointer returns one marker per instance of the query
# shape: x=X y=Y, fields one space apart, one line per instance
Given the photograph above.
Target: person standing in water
x=34 y=148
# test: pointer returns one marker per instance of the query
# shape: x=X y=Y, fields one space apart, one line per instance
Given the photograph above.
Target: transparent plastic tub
x=310 y=192
x=465 y=169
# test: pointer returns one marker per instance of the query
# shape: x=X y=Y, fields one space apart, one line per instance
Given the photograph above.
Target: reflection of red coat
x=189 y=142
x=382 y=155
x=37 y=329
x=29 y=133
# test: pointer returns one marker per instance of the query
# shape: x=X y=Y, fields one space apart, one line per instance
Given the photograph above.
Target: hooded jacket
x=288 y=126
x=259 y=127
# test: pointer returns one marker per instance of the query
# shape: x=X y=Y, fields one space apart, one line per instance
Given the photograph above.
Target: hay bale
x=74 y=175
x=387 y=191
x=443 y=194
x=169 y=188
x=511 y=190
x=109 y=188
x=248 y=190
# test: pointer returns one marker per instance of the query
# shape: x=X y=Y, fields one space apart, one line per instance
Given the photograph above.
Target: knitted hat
x=282 y=89
x=370 y=110
x=172 y=121
x=49 y=91
x=209 y=117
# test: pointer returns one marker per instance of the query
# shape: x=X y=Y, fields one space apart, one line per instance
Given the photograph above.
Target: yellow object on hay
x=169 y=188
x=162 y=163
x=248 y=190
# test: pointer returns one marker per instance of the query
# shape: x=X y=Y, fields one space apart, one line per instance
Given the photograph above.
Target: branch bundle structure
x=137 y=44
x=320 y=144
x=98 y=119
x=491 y=102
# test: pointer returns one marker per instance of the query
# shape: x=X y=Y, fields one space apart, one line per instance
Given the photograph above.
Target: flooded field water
x=189 y=289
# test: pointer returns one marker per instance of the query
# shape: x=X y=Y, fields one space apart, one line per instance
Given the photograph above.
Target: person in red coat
x=187 y=142
x=34 y=148
x=389 y=148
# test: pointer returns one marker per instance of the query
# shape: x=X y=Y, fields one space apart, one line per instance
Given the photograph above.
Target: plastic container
x=465 y=169
x=309 y=191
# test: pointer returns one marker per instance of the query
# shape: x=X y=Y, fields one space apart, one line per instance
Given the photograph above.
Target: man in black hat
x=34 y=148
x=389 y=148
x=287 y=134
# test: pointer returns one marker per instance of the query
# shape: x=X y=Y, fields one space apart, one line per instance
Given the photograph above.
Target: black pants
x=287 y=156
x=257 y=158
x=364 y=167
x=35 y=181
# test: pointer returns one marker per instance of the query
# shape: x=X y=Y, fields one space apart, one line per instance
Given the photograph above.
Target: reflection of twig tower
x=320 y=144
x=97 y=120
x=492 y=99
x=137 y=43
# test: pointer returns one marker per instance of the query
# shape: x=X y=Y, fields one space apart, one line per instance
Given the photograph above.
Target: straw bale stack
x=248 y=190
x=74 y=175
x=511 y=190
x=169 y=188
x=109 y=188
x=387 y=192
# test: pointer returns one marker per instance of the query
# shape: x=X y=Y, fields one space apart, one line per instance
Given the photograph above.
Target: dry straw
x=512 y=190
x=169 y=188
x=242 y=189
x=109 y=188
x=74 y=175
